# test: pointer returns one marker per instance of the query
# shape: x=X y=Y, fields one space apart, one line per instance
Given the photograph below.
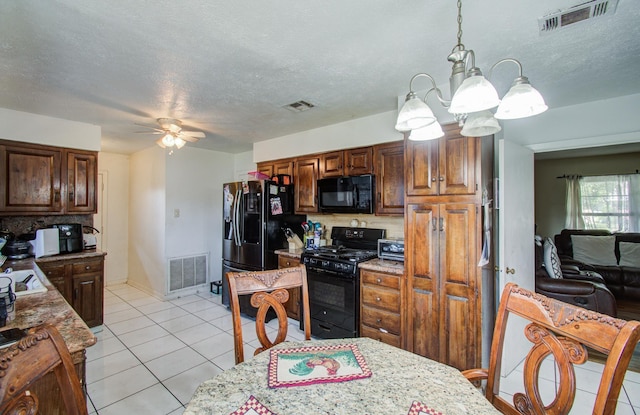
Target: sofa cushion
x=595 y=250
x=629 y=254
x=551 y=260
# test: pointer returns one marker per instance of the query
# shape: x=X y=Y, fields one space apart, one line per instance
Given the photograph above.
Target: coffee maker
x=70 y=237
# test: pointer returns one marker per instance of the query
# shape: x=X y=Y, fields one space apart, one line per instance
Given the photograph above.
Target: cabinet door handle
x=433 y=179
x=441 y=224
x=379 y=321
x=71 y=193
x=378 y=280
x=88 y=267
x=378 y=299
x=434 y=223
x=441 y=179
x=56 y=196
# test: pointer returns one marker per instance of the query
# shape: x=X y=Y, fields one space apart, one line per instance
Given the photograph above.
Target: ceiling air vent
x=562 y=18
x=299 y=106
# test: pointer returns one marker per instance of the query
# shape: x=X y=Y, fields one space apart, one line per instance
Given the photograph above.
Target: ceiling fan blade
x=149 y=127
x=188 y=138
x=198 y=134
x=150 y=132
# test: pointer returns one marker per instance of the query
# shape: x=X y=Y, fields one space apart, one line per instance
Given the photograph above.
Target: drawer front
x=388 y=338
x=287 y=262
x=380 y=319
x=87 y=267
x=381 y=298
x=382 y=280
x=52 y=271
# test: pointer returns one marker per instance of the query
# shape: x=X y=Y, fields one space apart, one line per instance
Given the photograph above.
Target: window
x=611 y=202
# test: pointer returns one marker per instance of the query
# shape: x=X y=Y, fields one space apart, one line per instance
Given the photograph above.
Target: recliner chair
x=582 y=288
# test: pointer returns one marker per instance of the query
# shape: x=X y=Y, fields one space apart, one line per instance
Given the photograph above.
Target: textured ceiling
x=228 y=68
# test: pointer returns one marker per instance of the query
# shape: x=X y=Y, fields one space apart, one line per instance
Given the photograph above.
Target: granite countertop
x=376 y=264
x=290 y=254
x=75 y=255
x=398 y=379
x=383 y=265
x=51 y=307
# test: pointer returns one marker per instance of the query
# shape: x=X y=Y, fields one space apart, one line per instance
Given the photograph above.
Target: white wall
x=194 y=188
x=39 y=129
x=364 y=131
x=115 y=218
x=243 y=164
x=147 y=234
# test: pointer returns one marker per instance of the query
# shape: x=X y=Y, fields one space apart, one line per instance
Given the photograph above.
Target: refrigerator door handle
x=237 y=217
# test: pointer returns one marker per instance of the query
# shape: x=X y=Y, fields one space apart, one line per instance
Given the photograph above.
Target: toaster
x=391 y=249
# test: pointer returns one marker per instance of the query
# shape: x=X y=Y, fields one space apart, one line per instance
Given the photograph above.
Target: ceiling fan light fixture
x=168 y=140
x=521 y=101
x=179 y=142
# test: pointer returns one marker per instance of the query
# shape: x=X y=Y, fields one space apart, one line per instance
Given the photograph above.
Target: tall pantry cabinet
x=443 y=229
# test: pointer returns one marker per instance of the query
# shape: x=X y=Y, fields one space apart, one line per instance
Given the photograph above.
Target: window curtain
x=574 y=218
x=634 y=202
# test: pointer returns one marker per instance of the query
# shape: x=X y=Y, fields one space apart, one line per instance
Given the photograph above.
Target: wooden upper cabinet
x=31 y=179
x=46 y=180
x=82 y=169
x=306 y=191
x=389 y=172
x=353 y=162
x=358 y=161
x=273 y=168
x=448 y=166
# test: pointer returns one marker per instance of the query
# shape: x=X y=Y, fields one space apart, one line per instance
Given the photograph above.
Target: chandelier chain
x=460 y=24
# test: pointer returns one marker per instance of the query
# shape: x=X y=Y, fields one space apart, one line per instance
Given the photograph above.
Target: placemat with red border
x=418 y=408
x=316 y=364
x=253 y=406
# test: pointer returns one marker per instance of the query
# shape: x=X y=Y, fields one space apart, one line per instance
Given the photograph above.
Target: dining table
x=338 y=376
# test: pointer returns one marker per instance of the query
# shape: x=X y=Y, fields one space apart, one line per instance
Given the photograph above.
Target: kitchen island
x=51 y=307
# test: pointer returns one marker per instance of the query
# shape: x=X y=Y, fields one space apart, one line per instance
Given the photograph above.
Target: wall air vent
x=563 y=18
x=187 y=272
x=299 y=106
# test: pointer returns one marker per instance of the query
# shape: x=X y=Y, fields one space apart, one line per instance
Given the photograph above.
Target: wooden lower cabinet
x=380 y=306
x=293 y=305
x=81 y=283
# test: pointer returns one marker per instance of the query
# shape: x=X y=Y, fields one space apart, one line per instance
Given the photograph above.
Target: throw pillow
x=629 y=254
x=595 y=250
x=551 y=259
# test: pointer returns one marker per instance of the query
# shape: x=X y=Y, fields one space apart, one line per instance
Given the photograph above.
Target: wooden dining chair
x=268 y=290
x=562 y=331
x=41 y=352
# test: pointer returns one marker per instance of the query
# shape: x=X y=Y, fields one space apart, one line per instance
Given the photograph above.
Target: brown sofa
x=622 y=281
x=582 y=288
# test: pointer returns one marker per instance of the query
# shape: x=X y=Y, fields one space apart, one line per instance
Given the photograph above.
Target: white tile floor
x=152 y=354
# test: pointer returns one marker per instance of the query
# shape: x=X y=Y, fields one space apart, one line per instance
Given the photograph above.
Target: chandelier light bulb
x=521 y=101
x=415 y=113
x=168 y=140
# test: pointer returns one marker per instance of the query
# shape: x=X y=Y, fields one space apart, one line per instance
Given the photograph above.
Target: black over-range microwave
x=350 y=194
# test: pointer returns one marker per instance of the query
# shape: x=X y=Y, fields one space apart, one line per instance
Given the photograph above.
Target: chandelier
x=472 y=98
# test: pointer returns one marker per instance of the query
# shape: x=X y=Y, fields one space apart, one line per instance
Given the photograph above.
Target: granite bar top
x=51 y=307
x=398 y=379
x=89 y=253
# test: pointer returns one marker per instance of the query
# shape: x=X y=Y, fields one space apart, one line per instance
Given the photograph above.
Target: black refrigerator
x=255 y=214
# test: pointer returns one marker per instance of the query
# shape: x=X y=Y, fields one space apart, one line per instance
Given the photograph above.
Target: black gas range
x=334 y=283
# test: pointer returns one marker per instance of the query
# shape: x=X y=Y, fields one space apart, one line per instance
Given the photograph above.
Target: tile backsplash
x=393 y=224
x=19 y=225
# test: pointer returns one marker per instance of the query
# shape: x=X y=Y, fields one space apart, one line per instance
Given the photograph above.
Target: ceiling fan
x=172 y=133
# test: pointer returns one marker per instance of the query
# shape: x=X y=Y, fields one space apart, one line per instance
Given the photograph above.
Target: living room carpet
x=627 y=310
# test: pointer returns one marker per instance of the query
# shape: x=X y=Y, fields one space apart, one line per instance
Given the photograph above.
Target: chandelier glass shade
x=430 y=132
x=472 y=98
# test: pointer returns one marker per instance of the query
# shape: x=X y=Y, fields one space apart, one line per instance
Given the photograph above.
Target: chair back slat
x=41 y=352
x=268 y=291
x=562 y=331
